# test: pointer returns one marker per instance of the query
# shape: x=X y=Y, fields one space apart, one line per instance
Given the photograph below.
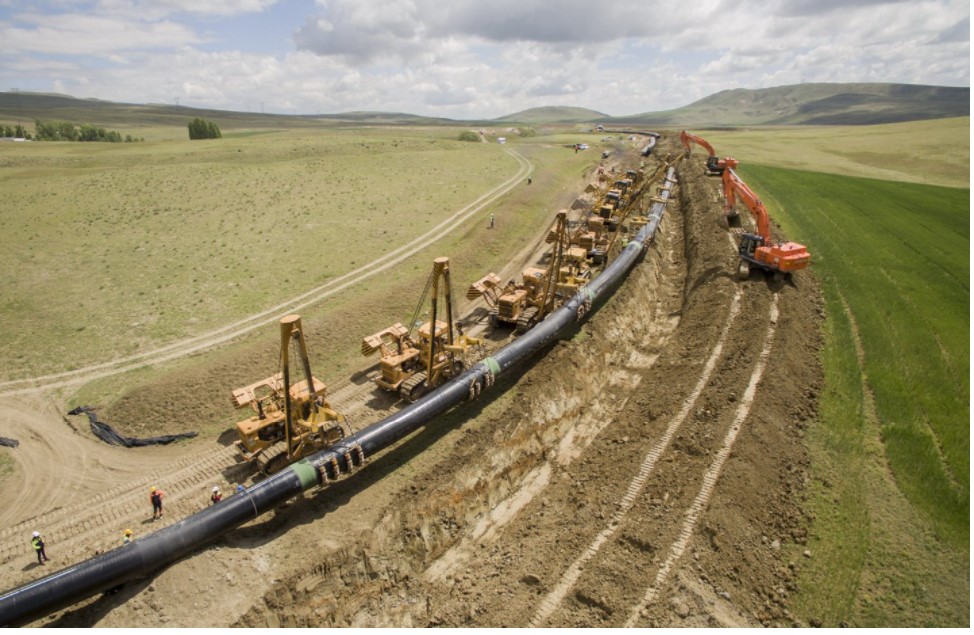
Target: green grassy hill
x=816 y=104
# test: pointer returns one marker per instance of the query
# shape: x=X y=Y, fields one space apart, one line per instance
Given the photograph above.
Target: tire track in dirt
x=245 y=325
x=79 y=530
x=712 y=475
x=571 y=576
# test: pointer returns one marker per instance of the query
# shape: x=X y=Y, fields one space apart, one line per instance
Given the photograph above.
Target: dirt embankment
x=648 y=472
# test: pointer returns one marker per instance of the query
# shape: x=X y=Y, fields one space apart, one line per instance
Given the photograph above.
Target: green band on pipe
x=306 y=472
x=493 y=366
x=589 y=293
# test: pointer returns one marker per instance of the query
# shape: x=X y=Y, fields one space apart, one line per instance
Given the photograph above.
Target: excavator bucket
x=484 y=287
x=733 y=220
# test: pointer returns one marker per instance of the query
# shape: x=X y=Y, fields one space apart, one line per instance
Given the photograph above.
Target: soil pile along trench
x=482 y=522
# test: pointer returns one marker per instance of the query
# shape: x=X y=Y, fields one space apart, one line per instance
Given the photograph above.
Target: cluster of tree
x=468 y=135
x=67 y=131
x=16 y=132
x=203 y=129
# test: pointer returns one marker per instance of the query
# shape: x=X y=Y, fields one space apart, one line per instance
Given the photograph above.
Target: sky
x=469 y=59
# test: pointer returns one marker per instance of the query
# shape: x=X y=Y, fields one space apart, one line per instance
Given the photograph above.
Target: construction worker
x=155 y=497
x=127 y=537
x=38 y=544
x=216 y=496
x=491 y=226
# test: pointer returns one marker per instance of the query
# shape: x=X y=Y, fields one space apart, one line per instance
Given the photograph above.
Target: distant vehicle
x=501 y=139
x=583 y=146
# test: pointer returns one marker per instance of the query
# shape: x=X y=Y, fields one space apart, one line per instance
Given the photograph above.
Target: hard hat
x=240 y=488
x=152 y=489
x=128 y=532
x=37 y=534
x=216 y=489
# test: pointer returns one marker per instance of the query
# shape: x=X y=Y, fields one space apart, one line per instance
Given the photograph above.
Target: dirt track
x=646 y=472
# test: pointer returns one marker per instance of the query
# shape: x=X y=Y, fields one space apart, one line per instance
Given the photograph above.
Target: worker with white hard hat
x=216 y=496
x=38 y=544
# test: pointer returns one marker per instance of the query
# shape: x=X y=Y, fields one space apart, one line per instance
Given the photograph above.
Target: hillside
x=816 y=104
x=806 y=104
x=553 y=114
x=27 y=107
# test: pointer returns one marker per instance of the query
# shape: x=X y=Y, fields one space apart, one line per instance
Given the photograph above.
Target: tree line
x=67 y=131
x=15 y=132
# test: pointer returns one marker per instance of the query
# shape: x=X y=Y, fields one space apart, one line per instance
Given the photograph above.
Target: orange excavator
x=757 y=250
x=715 y=166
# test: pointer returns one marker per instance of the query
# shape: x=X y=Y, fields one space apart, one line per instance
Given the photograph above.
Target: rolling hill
x=805 y=104
x=815 y=104
x=553 y=114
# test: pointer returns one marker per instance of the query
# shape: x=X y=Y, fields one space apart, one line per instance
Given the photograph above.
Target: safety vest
x=36 y=543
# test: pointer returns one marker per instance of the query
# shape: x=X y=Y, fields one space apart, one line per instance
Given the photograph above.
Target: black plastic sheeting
x=144 y=556
x=10 y=443
x=110 y=435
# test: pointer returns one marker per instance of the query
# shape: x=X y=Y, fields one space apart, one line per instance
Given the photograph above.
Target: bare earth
x=647 y=472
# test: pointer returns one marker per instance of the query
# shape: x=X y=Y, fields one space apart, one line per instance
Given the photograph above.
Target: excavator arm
x=714 y=164
x=688 y=137
x=735 y=188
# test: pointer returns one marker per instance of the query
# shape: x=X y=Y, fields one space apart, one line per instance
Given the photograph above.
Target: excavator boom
x=714 y=164
x=735 y=188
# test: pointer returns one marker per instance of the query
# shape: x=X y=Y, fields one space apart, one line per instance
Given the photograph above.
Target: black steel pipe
x=145 y=555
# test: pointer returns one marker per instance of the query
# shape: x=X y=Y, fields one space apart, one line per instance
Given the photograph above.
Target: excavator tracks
x=526 y=320
x=413 y=388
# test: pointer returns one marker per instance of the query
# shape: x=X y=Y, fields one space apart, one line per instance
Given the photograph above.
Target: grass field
x=892 y=451
x=109 y=249
x=934 y=152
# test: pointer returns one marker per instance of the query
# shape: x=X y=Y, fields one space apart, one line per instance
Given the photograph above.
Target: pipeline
x=142 y=557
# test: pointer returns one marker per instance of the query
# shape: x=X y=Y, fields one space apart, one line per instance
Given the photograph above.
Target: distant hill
x=815 y=104
x=805 y=104
x=553 y=114
x=27 y=107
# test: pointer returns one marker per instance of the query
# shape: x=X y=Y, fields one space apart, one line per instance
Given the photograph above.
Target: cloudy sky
x=469 y=59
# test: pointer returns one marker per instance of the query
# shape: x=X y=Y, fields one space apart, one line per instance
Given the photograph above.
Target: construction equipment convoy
x=526 y=303
x=296 y=414
x=412 y=367
x=155 y=550
x=757 y=250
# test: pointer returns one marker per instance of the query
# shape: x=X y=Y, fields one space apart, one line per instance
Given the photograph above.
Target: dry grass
x=934 y=152
x=110 y=249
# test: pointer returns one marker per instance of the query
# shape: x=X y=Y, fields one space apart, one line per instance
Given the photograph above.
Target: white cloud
x=457 y=59
x=78 y=34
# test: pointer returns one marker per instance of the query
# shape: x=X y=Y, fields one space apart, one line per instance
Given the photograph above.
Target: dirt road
x=646 y=472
